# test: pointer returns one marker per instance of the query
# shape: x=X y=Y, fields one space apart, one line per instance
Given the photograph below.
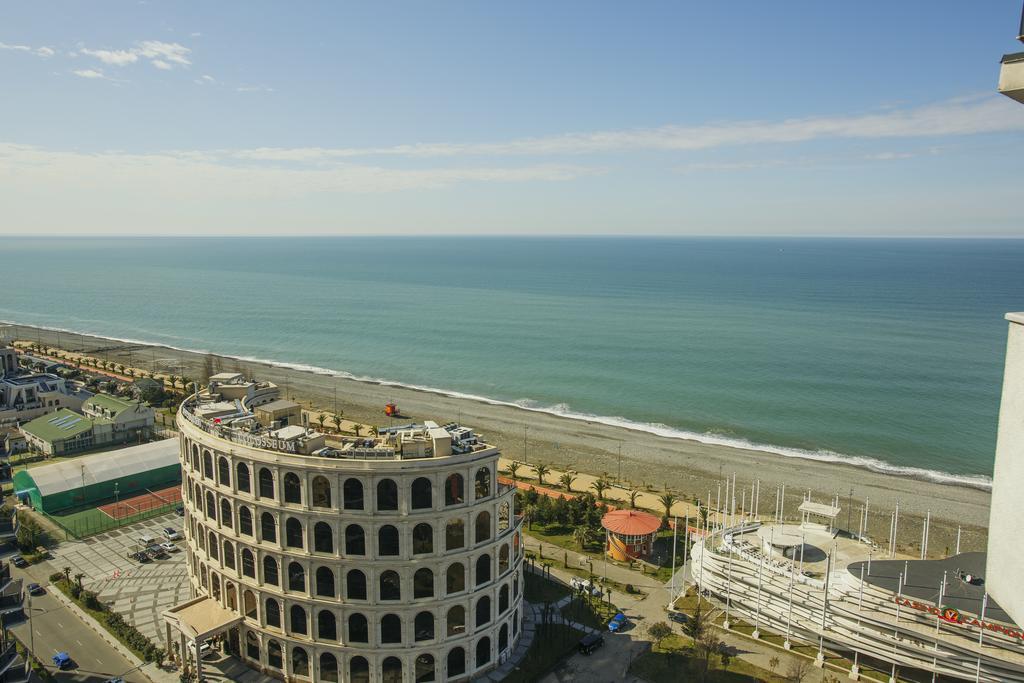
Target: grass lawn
x=539 y=590
x=551 y=644
x=666 y=662
x=593 y=613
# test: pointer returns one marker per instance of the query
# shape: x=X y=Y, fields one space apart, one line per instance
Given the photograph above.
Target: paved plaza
x=139 y=592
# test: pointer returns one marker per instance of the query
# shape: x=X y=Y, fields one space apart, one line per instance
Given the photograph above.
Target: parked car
x=180 y=510
x=19 y=561
x=140 y=557
x=36 y=589
x=147 y=539
x=156 y=552
x=590 y=642
x=584 y=586
x=171 y=535
x=678 y=617
x=169 y=547
x=62 y=660
x=617 y=622
x=116 y=679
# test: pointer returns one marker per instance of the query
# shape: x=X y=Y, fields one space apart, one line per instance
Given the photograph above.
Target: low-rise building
x=104 y=421
x=27 y=396
x=279 y=413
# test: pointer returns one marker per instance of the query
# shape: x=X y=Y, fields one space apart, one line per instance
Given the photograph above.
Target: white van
x=147 y=538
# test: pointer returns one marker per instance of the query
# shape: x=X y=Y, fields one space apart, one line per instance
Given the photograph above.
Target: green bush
x=56 y=577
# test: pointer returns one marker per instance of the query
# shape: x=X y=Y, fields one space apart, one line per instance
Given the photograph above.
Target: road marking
x=79 y=643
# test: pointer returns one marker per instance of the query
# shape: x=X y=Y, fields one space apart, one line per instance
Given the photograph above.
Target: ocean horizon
x=881 y=353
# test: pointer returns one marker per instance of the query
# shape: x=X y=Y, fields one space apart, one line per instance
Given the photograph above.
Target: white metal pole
x=895 y=527
x=675 y=536
x=981 y=631
x=958 y=539
x=757 y=610
x=899 y=595
x=789 y=614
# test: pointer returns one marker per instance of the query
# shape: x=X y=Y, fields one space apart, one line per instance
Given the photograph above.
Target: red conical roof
x=630 y=522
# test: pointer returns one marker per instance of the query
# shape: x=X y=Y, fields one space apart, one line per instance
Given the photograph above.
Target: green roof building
x=104 y=421
x=95 y=479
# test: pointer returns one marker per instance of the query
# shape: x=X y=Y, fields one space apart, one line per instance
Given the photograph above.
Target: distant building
x=279 y=413
x=26 y=395
x=630 y=534
x=95 y=479
x=233 y=386
x=104 y=421
x=1011 y=73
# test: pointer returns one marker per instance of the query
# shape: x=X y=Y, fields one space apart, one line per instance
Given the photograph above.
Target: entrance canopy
x=201 y=618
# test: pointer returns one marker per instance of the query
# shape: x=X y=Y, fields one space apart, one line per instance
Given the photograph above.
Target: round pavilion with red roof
x=630 y=534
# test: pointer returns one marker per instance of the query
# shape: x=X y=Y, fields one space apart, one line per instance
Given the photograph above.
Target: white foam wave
x=563 y=410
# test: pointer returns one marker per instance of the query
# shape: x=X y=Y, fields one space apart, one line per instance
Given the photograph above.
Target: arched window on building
x=296 y=577
x=503 y=516
x=503 y=599
x=482 y=488
x=229 y=555
x=387 y=495
x=425 y=669
x=272 y=612
x=424 y=626
x=359 y=669
x=207 y=465
x=352 y=492
x=357 y=629
x=355 y=540
x=249 y=604
x=503 y=559
x=483 y=610
x=387 y=541
x=483 y=651
x=421 y=498
x=211 y=546
x=423 y=583
x=456 y=621
x=293 y=533
x=483 y=527
x=454 y=490
x=390 y=586
x=328 y=668
x=300 y=662
x=270 y=571
x=503 y=638
x=242 y=477
x=483 y=569
x=326 y=625
x=390 y=629
x=248 y=563
x=244 y=521
x=266 y=478
x=298 y=620
x=422 y=539
x=226 y=518
x=323 y=538
x=292 y=488
x=456 y=662
x=211 y=506
x=274 y=659
x=321 y=492
x=454 y=534
x=223 y=471
x=455 y=578
x=391 y=670
x=268 y=528
x=196 y=467
x=355 y=585
x=325 y=581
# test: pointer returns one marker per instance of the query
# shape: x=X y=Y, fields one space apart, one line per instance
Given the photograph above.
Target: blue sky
x=540 y=118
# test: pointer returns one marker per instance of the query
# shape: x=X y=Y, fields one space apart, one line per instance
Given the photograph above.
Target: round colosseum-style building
x=396 y=558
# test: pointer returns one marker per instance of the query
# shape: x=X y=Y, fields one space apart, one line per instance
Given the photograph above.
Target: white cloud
x=39 y=51
x=196 y=34
x=171 y=53
x=161 y=64
x=969 y=116
x=88 y=73
x=205 y=79
x=113 y=57
x=254 y=88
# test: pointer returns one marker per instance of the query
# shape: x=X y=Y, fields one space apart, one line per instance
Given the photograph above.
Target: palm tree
x=336 y=421
x=321 y=418
x=529 y=512
x=357 y=428
x=667 y=500
x=542 y=471
x=118 y=367
x=581 y=535
x=600 y=486
x=374 y=431
x=633 y=495
x=566 y=480
x=173 y=379
x=130 y=372
x=67 y=575
x=513 y=469
x=702 y=512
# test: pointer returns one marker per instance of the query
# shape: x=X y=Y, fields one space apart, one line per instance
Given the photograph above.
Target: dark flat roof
x=925 y=577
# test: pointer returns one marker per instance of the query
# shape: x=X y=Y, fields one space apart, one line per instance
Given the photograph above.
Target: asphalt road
x=56 y=629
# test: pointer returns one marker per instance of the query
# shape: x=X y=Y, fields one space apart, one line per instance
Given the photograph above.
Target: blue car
x=617 y=622
x=62 y=660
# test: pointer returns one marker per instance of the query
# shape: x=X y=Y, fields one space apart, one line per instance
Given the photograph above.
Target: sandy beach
x=645 y=461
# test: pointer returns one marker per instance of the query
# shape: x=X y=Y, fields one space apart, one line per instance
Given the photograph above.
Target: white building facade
x=348 y=569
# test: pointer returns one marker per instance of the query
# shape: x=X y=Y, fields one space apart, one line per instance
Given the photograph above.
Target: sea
x=880 y=353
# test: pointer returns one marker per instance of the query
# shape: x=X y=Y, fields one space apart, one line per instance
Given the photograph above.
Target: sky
x=662 y=118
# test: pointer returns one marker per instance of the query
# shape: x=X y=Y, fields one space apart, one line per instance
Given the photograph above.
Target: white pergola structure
x=810 y=509
x=195 y=621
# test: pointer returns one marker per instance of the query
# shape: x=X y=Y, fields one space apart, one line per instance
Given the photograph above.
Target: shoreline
x=592 y=444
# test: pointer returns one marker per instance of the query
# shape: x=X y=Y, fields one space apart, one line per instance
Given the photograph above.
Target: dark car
x=140 y=557
x=156 y=552
x=180 y=510
x=591 y=642
x=678 y=617
x=36 y=589
x=19 y=561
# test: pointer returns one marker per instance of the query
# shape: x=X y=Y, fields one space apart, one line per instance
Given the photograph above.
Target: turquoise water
x=884 y=353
